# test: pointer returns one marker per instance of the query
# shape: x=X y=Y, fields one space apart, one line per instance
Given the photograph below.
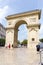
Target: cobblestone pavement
x=16 y=56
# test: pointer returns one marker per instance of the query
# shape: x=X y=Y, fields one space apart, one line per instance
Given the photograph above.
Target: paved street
x=16 y=56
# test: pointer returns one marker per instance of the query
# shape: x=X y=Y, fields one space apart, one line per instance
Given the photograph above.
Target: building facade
x=2 y=31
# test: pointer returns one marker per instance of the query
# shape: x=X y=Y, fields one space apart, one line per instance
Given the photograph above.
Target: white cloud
x=3 y=12
x=41 y=30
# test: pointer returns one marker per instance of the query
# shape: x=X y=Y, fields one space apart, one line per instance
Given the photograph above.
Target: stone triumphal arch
x=31 y=19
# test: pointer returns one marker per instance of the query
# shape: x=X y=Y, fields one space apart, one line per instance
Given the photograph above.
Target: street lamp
x=40 y=49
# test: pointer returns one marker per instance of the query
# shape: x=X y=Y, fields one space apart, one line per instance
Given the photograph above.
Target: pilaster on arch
x=9 y=36
x=33 y=35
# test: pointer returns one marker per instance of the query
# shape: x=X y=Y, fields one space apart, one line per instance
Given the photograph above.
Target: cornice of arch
x=29 y=13
x=33 y=29
x=33 y=25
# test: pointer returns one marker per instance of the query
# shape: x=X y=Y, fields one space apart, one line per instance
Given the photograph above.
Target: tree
x=18 y=42
x=41 y=40
x=24 y=42
x=2 y=42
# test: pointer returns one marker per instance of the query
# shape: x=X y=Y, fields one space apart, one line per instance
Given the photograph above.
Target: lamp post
x=41 y=57
x=40 y=50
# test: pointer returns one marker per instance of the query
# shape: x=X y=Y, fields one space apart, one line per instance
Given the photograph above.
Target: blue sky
x=8 y=7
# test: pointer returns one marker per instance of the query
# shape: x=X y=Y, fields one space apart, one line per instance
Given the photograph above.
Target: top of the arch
x=29 y=13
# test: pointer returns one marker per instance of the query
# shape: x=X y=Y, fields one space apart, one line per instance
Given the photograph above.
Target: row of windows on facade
x=2 y=31
x=2 y=36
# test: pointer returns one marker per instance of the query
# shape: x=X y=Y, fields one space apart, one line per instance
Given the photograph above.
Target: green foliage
x=41 y=40
x=24 y=42
x=18 y=42
x=2 y=42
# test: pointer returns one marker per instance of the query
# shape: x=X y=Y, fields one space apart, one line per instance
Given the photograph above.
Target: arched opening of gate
x=22 y=36
x=17 y=25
